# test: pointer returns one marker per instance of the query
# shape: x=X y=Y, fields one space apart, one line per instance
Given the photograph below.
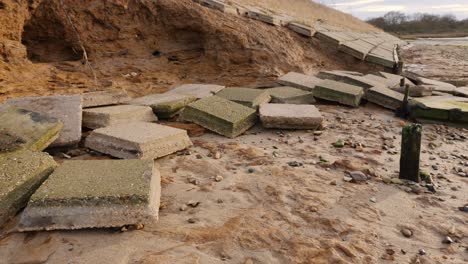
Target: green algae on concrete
x=339 y=92
x=165 y=105
x=290 y=95
x=21 y=173
x=220 y=115
x=449 y=109
x=385 y=97
x=246 y=96
x=26 y=129
x=95 y=193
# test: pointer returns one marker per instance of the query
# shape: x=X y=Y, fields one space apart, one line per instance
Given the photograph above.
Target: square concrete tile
x=290 y=95
x=164 y=105
x=339 y=92
x=118 y=114
x=290 y=116
x=197 y=90
x=300 y=81
x=246 y=96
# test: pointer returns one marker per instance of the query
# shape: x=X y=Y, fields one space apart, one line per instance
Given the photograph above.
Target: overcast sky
x=372 y=8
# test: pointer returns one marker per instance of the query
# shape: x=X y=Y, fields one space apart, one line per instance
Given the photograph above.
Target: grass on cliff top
x=308 y=12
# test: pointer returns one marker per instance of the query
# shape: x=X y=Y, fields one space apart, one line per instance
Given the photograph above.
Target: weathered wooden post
x=410 y=152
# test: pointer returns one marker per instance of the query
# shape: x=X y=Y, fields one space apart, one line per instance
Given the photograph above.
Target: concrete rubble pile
x=87 y=194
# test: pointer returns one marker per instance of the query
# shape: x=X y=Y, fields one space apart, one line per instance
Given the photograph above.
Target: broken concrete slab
x=95 y=194
x=290 y=95
x=218 y=5
x=65 y=108
x=385 y=97
x=246 y=96
x=339 y=92
x=23 y=129
x=138 y=140
x=302 y=29
x=21 y=173
x=220 y=115
x=444 y=109
x=385 y=59
x=164 y=105
x=118 y=114
x=197 y=90
x=434 y=84
x=290 y=116
x=299 y=80
x=356 y=48
x=351 y=79
x=103 y=98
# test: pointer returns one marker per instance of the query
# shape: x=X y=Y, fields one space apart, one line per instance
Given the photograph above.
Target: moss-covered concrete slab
x=339 y=92
x=23 y=129
x=21 y=173
x=67 y=109
x=138 y=140
x=447 y=109
x=103 y=98
x=385 y=97
x=290 y=95
x=165 y=105
x=118 y=114
x=197 y=90
x=299 y=80
x=95 y=193
x=290 y=116
x=302 y=29
x=220 y=115
x=246 y=96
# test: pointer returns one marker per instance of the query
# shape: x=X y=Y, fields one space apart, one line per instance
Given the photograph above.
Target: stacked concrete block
x=21 y=173
x=299 y=80
x=138 y=140
x=445 y=109
x=197 y=90
x=290 y=95
x=385 y=97
x=220 y=115
x=356 y=48
x=246 y=96
x=118 y=114
x=28 y=130
x=339 y=92
x=290 y=116
x=165 y=105
x=102 y=98
x=67 y=109
x=302 y=29
x=94 y=194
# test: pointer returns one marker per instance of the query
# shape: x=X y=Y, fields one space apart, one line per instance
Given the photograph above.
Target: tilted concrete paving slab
x=21 y=173
x=339 y=92
x=220 y=115
x=461 y=91
x=344 y=77
x=25 y=129
x=93 y=194
x=67 y=109
x=290 y=95
x=164 y=105
x=102 y=98
x=118 y=114
x=218 y=5
x=197 y=90
x=290 y=116
x=138 y=140
x=299 y=80
x=334 y=38
x=380 y=57
x=356 y=48
x=263 y=17
x=302 y=29
x=246 y=96
x=385 y=97
x=433 y=84
x=446 y=109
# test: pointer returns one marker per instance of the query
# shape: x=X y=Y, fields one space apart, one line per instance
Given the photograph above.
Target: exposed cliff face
x=140 y=45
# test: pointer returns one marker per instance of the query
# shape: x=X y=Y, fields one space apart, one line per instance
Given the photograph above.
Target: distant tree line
x=420 y=23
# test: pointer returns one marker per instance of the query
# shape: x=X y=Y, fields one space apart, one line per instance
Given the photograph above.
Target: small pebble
x=219 y=178
x=422 y=252
x=447 y=240
x=406 y=232
x=192 y=220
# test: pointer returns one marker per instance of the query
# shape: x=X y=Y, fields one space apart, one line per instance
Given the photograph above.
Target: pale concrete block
x=461 y=91
x=95 y=194
x=102 y=98
x=119 y=114
x=219 y=5
x=385 y=97
x=197 y=90
x=25 y=129
x=266 y=18
x=21 y=173
x=290 y=116
x=339 y=92
x=334 y=38
x=352 y=79
x=290 y=95
x=356 y=48
x=165 y=105
x=220 y=115
x=246 y=96
x=67 y=109
x=299 y=80
x=138 y=140
x=302 y=29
